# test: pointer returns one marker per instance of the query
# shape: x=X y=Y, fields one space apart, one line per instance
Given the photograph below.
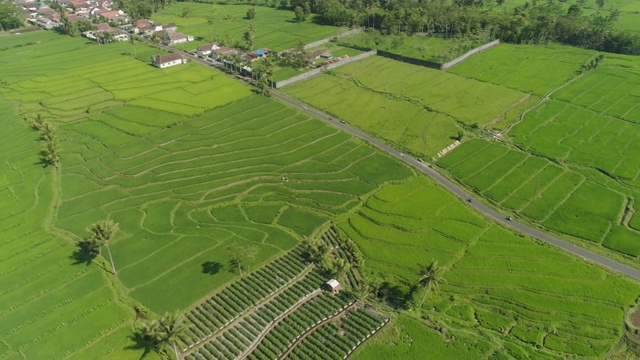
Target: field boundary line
x=256 y=342
x=292 y=346
x=200 y=343
x=564 y=199
x=546 y=97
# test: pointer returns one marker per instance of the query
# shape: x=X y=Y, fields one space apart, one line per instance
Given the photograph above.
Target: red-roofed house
x=110 y=15
x=163 y=61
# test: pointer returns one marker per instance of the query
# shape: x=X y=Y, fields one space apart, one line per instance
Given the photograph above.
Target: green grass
x=177 y=192
x=51 y=307
x=505 y=295
x=274 y=29
x=438 y=50
x=533 y=69
x=536 y=188
x=382 y=89
x=184 y=159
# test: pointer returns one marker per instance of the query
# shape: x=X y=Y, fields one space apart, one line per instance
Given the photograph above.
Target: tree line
x=534 y=22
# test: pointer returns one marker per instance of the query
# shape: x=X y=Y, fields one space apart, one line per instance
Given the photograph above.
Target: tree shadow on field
x=211 y=267
x=141 y=342
x=85 y=253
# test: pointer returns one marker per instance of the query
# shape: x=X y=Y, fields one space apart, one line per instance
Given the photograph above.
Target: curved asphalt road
x=462 y=194
x=448 y=184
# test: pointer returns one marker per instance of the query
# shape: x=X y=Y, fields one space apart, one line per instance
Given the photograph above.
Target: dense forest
x=534 y=22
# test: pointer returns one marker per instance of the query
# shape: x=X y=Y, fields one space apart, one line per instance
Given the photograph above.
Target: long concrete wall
x=329 y=39
x=314 y=72
x=470 y=53
x=410 y=60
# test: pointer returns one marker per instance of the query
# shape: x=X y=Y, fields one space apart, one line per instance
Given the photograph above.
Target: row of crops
x=222 y=308
x=298 y=323
x=346 y=250
x=235 y=340
x=337 y=340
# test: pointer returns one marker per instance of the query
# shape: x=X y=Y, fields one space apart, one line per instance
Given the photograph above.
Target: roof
x=103 y=27
x=142 y=23
x=177 y=36
x=162 y=59
x=170 y=25
x=333 y=283
x=259 y=52
x=110 y=14
x=207 y=47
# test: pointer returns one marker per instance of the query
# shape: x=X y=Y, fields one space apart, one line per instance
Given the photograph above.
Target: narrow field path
x=424 y=168
x=276 y=321
x=302 y=336
x=461 y=193
x=194 y=347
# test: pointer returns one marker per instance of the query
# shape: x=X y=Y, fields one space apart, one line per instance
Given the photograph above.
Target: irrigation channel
x=448 y=184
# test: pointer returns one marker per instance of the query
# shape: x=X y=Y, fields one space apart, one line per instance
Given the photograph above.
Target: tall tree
x=10 y=16
x=102 y=232
x=171 y=327
x=430 y=278
x=248 y=37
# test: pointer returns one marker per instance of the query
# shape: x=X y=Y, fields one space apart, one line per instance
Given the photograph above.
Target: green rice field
x=274 y=29
x=415 y=108
x=51 y=306
x=505 y=296
x=578 y=173
x=142 y=147
x=434 y=49
x=534 y=69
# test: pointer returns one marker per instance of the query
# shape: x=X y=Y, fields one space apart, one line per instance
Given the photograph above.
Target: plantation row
x=286 y=332
x=232 y=342
x=337 y=341
x=234 y=300
x=347 y=251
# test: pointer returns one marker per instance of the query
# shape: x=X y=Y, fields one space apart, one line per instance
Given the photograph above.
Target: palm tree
x=430 y=277
x=148 y=336
x=171 y=327
x=101 y=232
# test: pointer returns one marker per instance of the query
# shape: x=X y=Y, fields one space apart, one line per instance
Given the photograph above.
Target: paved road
x=448 y=184
x=463 y=194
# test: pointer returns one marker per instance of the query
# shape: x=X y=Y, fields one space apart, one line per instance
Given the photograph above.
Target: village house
x=143 y=26
x=171 y=28
x=163 y=61
x=224 y=52
x=207 y=49
x=179 y=38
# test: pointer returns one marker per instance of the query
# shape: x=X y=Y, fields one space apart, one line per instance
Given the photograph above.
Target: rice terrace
x=377 y=209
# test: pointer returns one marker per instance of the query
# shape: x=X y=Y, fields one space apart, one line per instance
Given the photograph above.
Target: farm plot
x=434 y=104
x=254 y=173
x=504 y=295
x=236 y=339
x=538 y=189
x=336 y=340
x=51 y=306
x=284 y=336
x=529 y=68
x=274 y=28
